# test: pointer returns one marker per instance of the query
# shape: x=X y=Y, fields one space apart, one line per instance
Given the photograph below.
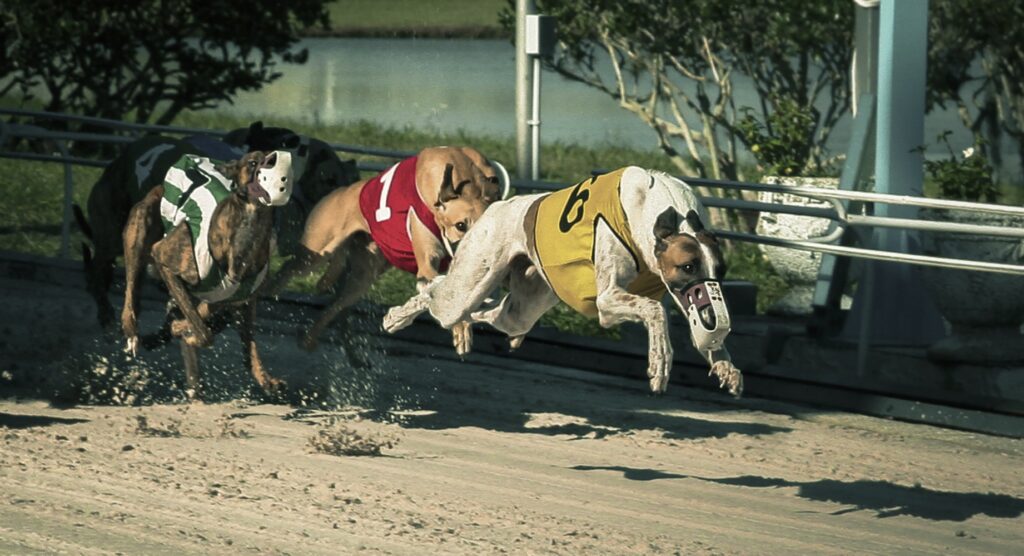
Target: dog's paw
x=462 y=338
x=131 y=346
x=729 y=377
x=396 y=319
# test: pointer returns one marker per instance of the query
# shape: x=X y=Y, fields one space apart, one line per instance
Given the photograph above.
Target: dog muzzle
x=276 y=179
x=704 y=306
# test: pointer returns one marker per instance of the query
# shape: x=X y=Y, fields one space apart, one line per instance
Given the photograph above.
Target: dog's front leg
x=193 y=388
x=722 y=368
x=615 y=305
x=174 y=260
x=246 y=317
x=429 y=253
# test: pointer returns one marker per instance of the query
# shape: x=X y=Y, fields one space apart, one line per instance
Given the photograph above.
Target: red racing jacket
x=385 y=202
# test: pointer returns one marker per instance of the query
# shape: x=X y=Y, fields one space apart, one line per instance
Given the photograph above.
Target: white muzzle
x=704 y=306
x=276 y=178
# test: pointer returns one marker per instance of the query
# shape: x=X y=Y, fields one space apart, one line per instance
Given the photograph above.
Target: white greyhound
x=610 y=246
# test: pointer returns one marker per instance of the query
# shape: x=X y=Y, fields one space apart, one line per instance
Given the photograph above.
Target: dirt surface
x=487 y=456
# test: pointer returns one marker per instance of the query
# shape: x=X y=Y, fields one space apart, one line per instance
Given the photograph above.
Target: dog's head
x=324 y=170
x=262 y=177
x=462 y=198
x=691 y=265
x=315 y=164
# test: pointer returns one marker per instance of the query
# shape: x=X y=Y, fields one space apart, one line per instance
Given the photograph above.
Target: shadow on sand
x=884 y=498
x=11 y=421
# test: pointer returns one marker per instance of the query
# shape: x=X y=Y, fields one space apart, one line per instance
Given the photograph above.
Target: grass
x=405 y=18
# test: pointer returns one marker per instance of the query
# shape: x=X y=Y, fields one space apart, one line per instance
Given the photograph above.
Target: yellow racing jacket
x=563 y=238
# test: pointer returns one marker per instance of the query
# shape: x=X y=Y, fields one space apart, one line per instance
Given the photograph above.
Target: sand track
x=492 y=456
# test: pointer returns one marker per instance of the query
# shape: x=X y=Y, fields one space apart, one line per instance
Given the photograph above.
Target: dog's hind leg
x=142 y=231
x=304 y=262
x=528 y=299
x=364 y=265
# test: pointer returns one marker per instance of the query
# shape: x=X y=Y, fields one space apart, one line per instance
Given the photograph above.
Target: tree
x=675 y=64
x=976 y=64
x=148 y=59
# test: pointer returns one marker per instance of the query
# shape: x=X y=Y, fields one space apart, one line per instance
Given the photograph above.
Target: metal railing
x=834 y=198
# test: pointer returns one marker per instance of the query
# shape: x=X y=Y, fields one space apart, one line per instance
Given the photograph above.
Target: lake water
x=449 y=85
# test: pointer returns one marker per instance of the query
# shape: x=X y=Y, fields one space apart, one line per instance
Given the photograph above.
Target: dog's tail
x=83 y=224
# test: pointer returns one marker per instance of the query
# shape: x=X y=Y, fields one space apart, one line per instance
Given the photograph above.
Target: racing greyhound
x=405 y=216
x=208 y=231
x=610 y=247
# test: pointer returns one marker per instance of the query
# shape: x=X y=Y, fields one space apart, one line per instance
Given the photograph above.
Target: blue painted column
x=892 y=306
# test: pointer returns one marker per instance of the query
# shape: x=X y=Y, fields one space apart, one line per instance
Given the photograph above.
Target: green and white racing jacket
x=192 y=190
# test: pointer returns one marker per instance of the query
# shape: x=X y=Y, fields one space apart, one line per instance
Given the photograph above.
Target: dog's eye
x=689 y=268
x=252 y=164
x=461 y=226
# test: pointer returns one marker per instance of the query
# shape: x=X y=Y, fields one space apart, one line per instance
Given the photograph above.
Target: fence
x=836 y=211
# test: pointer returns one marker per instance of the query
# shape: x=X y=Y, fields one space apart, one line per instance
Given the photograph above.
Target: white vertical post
x=535 y=122
x=523 y=168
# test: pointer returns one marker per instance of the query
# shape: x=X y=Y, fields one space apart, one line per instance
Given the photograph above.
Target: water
x=437 y=84
x=448 y=85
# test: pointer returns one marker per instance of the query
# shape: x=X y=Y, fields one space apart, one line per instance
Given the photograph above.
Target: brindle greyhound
x=211 y=248
x=141 y=166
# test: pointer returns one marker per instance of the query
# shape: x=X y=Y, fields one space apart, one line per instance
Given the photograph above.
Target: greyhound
x=610 y=247
x=405 y=216
x=208 y=231
x=141 y=166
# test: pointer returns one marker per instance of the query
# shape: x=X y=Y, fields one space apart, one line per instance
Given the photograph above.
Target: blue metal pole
x=897 y=310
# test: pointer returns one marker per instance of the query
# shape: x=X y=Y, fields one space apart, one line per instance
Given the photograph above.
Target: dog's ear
x=665 y=225
x=491 y=189
x=254 y=129
x=449 y=191
x=693 y=219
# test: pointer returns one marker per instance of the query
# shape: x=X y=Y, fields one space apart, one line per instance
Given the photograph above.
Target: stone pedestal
x=798 y=268
x=984 y=309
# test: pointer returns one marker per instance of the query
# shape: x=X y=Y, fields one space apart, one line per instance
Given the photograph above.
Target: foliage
x=966 y=178
x=673 y=63
x=779 y=144
x=151 y=59
x=976 y=63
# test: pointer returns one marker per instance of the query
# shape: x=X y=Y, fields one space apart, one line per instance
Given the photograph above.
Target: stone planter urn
x=984 y=309
x=798 y=268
